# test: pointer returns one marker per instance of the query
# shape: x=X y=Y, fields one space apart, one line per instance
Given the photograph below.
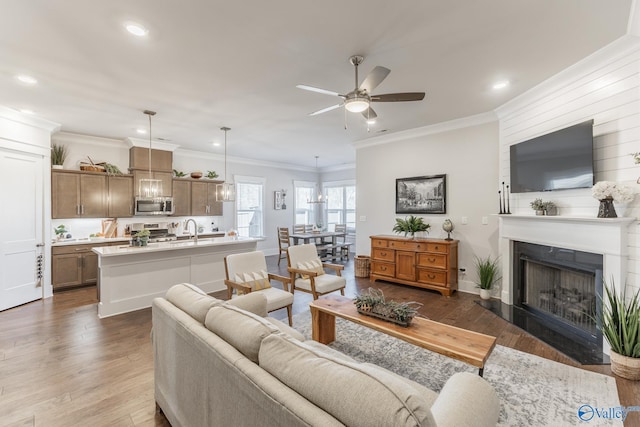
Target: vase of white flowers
x=608 y=192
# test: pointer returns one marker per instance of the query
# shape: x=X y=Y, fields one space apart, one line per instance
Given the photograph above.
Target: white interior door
x=21 y=228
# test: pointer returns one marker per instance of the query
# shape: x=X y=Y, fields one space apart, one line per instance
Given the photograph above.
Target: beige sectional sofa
x=227 y=364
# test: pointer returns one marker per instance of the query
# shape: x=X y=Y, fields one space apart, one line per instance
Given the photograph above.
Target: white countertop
x=109 y=251
x=89 y=241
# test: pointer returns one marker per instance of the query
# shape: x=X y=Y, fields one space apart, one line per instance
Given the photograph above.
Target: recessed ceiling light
x=216 y=144
x=28 y=80
x=136 y=29
x=141 y=131
x=371 y=121
x=27 y=111
x=500 y=85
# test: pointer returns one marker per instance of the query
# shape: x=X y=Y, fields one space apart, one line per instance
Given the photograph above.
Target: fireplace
x=582 y=248
x=560 y=287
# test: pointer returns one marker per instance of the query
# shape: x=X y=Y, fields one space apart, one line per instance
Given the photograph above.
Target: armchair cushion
x=276 y=298
x=314 y=265
x=257 y=280
x=253 y=302
x=324 y=284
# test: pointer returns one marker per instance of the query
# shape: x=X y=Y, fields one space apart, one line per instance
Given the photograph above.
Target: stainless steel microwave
x=154 y=205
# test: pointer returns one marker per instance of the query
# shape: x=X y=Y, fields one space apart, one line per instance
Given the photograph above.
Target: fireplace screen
x=566 y=294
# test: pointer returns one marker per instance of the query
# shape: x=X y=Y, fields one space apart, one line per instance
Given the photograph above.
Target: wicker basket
x=362 y=265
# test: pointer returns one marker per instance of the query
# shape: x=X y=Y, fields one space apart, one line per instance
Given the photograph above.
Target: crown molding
x=620 y=48
x=156 y=145
x=28 y=119
x=77 y=138
x=241 y=160
x=437 y=128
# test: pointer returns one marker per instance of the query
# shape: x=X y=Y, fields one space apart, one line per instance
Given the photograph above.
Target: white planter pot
x=485 y=293
x=56 y=166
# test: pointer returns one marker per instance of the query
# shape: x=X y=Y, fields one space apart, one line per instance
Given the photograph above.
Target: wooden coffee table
x=468 y=346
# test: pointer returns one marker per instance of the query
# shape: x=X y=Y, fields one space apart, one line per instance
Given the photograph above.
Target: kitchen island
x=129 y=277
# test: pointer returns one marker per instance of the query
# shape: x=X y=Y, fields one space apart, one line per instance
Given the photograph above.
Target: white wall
x=467 y=152
x=604 y=87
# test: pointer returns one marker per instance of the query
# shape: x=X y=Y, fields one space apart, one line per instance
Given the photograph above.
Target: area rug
x=533 y=391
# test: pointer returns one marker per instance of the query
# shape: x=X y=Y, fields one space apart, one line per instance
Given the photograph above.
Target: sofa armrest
x=466 y=400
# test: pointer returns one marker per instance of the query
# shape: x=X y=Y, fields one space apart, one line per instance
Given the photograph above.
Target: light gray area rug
x=533 y=391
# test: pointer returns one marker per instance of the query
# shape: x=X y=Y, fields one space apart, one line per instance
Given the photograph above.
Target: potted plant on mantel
x=411 y=225
x=620 y=323
x=488 y=274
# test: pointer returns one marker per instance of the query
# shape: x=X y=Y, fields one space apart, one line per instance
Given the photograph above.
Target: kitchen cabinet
x=203 y=198
x=425 y=263
x=181 y=197
x=75 y=265
x=165 y=177
x=161 y=160
x=120 y=196
x=77 y=194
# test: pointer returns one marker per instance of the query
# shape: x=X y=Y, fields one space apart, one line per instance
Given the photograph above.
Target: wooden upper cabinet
x=161 y=160
x=181 y=197
x=203 y=198
x=120 y=200
x=78 y=194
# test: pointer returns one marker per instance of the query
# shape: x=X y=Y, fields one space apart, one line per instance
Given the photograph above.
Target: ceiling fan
x=360 y=98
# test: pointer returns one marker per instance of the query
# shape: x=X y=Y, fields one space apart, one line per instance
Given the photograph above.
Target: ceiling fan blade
x=398 y=97
x=369 y=114
x=374 y=78
x=324 y=110
x=318 y=90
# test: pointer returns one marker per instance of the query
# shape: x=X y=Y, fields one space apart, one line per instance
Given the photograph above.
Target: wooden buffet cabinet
x=425 y=263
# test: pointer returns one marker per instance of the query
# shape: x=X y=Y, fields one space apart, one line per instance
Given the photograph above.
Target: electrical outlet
x=485 y=220
x=464 y=220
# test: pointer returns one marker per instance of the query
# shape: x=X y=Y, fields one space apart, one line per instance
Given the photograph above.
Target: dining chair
x=307 y=272
x=345 y=247
x=284 y=241
x=247 y=272
x=298 y=228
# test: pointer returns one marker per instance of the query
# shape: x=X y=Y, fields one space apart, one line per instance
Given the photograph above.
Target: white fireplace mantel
x=605 y=236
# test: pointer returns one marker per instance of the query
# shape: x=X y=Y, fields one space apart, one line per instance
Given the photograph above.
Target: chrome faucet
x=195 y=228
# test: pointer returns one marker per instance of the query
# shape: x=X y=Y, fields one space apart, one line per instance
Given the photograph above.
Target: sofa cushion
x=353 y=393
x=255 y=302
x=257 y=280
x=285 y=329
x=242 y=329
x=192 y=300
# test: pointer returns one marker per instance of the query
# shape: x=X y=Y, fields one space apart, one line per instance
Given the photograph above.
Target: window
x=304 y=212
x=341 y=204
x=249 y=206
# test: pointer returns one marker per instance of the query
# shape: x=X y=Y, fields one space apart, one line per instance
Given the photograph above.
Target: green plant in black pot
x=410 y=225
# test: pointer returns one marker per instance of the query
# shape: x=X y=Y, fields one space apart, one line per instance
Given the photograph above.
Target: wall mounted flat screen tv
x=557 y=161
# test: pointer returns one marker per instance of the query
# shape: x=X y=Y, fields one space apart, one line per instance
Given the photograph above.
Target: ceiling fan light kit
x=360 y=98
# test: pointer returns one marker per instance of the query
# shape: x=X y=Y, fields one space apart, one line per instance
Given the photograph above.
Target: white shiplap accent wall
x=604 y=87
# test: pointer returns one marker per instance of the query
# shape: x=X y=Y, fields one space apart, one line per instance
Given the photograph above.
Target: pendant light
x=225 y=192
x=320 y=199
x=149 y=187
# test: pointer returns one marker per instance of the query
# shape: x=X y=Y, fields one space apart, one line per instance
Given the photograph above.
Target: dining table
x=326 y=242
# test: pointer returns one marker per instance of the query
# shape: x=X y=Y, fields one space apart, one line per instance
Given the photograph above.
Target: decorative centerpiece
x=373 y=304
x=141 y=238
x=411 y=225
x=608 y=192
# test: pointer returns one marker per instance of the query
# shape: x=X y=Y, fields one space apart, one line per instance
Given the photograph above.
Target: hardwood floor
x=61 y=366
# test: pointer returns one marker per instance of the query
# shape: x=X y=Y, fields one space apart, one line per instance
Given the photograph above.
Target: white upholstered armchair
x=307 y=272
x=247 y=272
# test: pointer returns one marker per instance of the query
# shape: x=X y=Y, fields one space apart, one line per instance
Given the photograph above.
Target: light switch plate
x=485 y=220
x=464 y=220
x=363 y=218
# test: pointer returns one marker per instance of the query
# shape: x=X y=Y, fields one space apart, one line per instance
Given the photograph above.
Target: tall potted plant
x=488 y=274
x=620 y=323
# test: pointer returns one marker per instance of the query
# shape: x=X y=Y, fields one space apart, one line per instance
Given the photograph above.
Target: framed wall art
x=421 y=195
x=278 y=200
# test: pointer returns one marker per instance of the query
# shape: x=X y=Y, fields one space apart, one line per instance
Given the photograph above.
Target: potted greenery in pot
x=620 y=323
x=142 y=237
x=411 y=225
x=538 y=206
x=58 y=155
x=488 y=274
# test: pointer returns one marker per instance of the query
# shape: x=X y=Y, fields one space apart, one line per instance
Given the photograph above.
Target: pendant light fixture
x=149 y=187
x=225 y=192
x=320 y=199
